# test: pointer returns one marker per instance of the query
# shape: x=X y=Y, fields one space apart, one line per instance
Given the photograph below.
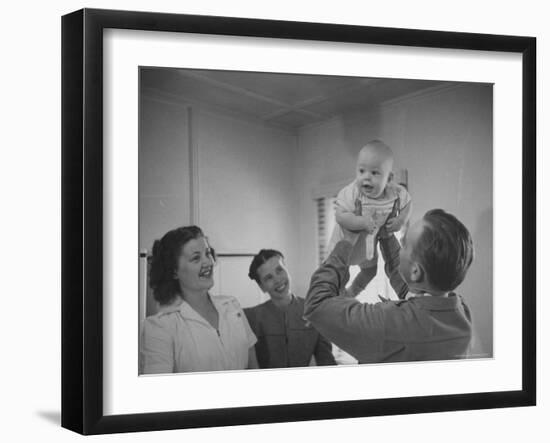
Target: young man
x=429 y=322
x=284 y=338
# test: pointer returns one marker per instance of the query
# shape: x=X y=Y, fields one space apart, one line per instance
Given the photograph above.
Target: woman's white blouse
x=178 y=339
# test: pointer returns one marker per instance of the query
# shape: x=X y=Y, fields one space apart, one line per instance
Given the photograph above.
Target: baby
x=371 y=201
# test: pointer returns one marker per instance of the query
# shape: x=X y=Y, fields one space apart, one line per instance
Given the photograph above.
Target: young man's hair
x=444 y=249
x=259 y=259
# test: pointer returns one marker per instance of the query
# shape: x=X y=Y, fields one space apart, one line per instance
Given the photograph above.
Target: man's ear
x=417 y=272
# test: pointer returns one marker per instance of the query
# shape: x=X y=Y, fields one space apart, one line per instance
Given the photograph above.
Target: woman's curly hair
x=164 y=262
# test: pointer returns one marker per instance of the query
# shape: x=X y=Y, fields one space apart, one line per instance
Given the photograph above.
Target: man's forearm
x=351 y=325
x=390 y=252
x=329 y=279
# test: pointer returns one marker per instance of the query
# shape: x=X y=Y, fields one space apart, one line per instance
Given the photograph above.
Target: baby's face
x=373 y=172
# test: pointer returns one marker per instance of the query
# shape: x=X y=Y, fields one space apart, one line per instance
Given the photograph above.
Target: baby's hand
x=369 y=224
x=393 y=224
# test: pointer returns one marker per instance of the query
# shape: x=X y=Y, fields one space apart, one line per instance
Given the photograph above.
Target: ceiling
x=287 y=101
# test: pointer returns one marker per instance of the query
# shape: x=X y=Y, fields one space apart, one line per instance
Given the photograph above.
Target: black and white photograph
x=296 y=220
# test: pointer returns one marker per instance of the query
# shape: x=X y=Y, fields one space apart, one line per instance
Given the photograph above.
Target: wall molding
x=376 y=109
x=424 y=94
x=173 y=99
x=194 y=169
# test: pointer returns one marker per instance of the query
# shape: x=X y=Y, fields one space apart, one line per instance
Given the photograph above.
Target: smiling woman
x=192 y=330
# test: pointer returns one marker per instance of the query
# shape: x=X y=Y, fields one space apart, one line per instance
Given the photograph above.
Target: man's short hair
x=445 y=250
x=259 y=259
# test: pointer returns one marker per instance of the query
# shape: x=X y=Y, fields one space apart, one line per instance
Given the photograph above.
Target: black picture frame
x=82 y=220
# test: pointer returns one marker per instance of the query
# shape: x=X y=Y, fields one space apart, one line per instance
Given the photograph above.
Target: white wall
x=246 y=184
x=164 y=183
x=241 y=190
x=30 y=185
x=444 y=139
